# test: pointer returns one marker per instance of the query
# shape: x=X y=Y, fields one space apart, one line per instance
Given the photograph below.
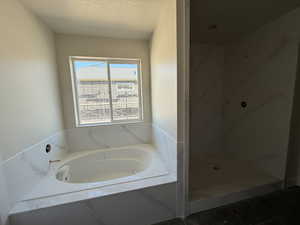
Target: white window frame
x=109 y=61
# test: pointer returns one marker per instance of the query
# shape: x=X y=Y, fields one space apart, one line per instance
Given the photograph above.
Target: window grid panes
x=106 y=90
x=125 y=92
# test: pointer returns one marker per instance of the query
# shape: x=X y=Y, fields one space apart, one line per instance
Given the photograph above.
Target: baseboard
x=293 y=181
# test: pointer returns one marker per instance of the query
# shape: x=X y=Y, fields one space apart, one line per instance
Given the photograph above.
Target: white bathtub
x=99 y=168
x=105 y=165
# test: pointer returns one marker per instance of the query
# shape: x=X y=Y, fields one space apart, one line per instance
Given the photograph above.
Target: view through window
x=106 y=90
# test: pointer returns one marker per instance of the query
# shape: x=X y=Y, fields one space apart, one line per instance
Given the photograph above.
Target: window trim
x=108 y=60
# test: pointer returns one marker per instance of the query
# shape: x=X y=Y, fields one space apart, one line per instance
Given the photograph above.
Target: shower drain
x=216 y=168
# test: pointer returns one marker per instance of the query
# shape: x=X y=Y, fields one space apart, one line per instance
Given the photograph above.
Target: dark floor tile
x=172 y=222
x=278 y=208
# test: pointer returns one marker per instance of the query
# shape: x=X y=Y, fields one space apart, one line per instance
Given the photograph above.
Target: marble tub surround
x=27 y=168
x=57 y=200
x=166 y=146
x=33 y=185
x=108 y=136
x=135 y=207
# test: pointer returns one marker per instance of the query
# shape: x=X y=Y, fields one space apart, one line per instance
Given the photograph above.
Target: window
x=106 y=91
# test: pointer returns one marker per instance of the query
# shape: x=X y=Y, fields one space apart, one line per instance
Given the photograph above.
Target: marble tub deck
x=277 y=208
x=50 y=192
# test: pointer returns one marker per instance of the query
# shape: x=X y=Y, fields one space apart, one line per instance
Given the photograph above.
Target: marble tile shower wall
x=207 y=68
x=260 y=71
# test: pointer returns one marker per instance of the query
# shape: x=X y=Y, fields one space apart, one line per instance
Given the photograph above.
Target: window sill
x=109 y=124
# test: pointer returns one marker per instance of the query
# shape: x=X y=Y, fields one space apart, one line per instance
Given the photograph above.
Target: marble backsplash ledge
x=92 y=138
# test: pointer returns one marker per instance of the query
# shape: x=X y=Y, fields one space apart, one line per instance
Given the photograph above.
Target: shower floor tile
x=214 y=177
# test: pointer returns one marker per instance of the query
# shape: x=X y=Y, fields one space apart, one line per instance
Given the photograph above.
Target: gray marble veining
x=141 y=207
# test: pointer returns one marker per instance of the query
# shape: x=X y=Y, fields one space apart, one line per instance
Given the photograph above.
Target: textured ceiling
x=233 y=18
x=107 y=18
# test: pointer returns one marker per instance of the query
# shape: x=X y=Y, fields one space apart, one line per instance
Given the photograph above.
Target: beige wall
x=73 y=45
x=29 y=94
x=164 y=70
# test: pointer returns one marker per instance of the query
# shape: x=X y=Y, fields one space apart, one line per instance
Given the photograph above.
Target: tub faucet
x=54 y=161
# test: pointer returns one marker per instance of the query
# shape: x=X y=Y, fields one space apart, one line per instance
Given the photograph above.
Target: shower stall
x=242 y=79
